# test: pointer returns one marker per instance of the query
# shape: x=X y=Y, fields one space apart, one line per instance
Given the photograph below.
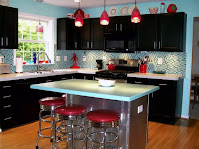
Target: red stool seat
x=103 y=116
x=52 y=101
x=70 y=110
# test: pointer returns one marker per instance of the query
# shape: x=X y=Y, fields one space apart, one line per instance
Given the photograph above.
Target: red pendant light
x=104 y=19
x=135 y=16
x=79 y=19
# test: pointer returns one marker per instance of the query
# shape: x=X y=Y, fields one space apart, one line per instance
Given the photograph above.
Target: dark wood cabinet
x=162 y=32
x=96 y=34
x=88 y=37
x=84 y=76
x=165 y=105
x=9 y=27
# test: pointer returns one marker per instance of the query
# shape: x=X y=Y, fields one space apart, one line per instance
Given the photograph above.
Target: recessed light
x=77 y=1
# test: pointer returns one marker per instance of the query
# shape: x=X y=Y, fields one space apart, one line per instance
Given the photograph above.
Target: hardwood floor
x=184 y=135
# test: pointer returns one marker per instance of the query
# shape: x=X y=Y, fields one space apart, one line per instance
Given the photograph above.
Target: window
x=31 y=42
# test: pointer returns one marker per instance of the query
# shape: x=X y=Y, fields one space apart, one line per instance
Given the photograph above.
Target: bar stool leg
x=72 y=127
x=104 y=140
x=39 y=130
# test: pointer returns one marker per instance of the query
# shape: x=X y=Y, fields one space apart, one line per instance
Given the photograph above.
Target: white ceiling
x=93 y=3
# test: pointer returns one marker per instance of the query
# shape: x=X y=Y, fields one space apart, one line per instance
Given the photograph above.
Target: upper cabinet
x=155 y=32
x=89 y=36
x=8 y=27
x=162 y=32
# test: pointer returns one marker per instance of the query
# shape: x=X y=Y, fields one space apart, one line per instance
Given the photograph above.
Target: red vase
x=143 y=68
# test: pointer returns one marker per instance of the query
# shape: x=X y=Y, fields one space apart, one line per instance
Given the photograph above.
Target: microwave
x=118 y=43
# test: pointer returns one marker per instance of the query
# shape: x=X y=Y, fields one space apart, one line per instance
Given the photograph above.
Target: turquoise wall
x=187 y=6
x=190 y=7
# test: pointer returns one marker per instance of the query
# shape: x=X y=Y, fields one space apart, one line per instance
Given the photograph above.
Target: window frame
x=49 y=33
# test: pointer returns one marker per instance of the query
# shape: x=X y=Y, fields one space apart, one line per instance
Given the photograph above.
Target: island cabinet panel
x=8 y=27
x=162 y=32
x=165 y=105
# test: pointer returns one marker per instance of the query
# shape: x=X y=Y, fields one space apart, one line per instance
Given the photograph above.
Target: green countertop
x=91 y=88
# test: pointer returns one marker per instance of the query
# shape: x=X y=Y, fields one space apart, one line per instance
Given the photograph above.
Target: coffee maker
x=99 y=64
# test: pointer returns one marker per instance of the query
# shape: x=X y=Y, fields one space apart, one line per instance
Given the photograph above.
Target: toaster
x=4 y=68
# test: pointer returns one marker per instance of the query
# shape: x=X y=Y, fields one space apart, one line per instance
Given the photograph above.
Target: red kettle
x=111 y=65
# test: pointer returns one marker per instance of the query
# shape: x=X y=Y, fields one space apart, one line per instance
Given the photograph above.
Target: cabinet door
x=97 y=34
x=84 y=35
x=71 y=35
x=170 y=32
x=61 y=34
x=11 y=28
x=113 y=25
x=147 y=30
x=2 y=26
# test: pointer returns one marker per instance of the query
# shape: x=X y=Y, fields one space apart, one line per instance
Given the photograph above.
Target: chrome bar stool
x=72 y=118
x=103 y=129
x=48 y=104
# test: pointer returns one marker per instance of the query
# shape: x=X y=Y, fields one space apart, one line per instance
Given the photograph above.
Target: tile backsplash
x=172 y=62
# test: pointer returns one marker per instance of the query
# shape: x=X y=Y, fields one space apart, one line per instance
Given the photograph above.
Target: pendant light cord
x=104 y=5
x=135 y=2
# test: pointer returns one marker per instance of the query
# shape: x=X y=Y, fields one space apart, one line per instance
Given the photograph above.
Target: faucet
x=38 y=56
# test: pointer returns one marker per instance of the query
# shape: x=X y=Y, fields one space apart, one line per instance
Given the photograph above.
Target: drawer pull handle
x=6 y=86
x=64 y=78
x=162 y=84
x=7 y=96
x=48 y=80
x=5 y=119
x=138 y=82
x=8 y=106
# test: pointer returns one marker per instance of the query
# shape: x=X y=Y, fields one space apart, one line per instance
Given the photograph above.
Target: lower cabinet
x=19 y=104
x=84 y=76
x=165 y=105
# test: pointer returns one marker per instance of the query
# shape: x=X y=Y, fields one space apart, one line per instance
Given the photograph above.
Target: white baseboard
x=183 y=116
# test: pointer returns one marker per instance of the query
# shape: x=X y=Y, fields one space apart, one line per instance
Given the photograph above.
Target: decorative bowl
x=105 y=82
x=153 y=10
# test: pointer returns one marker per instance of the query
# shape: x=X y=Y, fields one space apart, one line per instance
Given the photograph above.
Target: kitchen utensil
x=111 y=65
x=124 y=10
x=143 y=68
x=86 y=16
x=105 y=82
x=99 y=64
x=153 y=10
x=112 y=11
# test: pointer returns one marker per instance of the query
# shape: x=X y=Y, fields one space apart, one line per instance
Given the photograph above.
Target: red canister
x=143 y=68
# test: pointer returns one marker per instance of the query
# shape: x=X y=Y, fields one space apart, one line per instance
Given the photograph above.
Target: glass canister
x=162 y=8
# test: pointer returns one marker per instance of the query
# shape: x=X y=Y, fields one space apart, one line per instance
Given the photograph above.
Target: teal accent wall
x=182 y=59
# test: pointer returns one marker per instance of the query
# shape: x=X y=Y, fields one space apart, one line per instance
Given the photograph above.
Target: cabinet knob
x=159 y=45
x=116 y=27
x=87 y=44
x=6 y=41
x=162 y=84
x=138 y=82
x=1 y=41
x=91 y=44
x=6 y=86
x=6 y=96
x=8 y=118
x=120 y=27
x=154 y=45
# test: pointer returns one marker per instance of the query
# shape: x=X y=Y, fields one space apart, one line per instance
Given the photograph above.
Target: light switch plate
x=160 y=61
x=65 y=58
x=140 y=109
x=57 y=58
x=84 y=58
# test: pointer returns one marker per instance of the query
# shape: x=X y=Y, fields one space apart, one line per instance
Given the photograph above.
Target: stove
x=122 y=68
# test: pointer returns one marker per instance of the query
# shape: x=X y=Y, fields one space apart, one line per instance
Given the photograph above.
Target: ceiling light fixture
x=39 y=28
x=79 y=20
x=135 y=16
x=104 y=19
x=77 y=1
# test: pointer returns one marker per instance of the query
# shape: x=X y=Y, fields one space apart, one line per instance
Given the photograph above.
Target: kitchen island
x=130 y=100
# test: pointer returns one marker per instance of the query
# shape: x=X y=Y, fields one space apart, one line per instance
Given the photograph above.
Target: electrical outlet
x=140 y=109
x=65 y=58
x=160 y=61
x=57 y=58
x=84 y=58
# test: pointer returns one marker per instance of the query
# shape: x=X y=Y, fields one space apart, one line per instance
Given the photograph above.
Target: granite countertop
x=156 y=76
x=27 y=75
x=90 y=88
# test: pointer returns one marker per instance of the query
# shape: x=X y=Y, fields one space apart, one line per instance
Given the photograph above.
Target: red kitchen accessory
x=172 y=8
x=111 y=65
x=79 y=11
x=153 y=10
x=143 y=68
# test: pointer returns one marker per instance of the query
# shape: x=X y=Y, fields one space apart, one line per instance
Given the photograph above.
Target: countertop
x=27 y=75
x=156 y=76
x=90 y=88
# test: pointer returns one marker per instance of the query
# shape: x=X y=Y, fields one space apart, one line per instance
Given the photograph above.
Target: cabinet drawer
x=138 y=81
x=6 y=100
x=7 y=122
